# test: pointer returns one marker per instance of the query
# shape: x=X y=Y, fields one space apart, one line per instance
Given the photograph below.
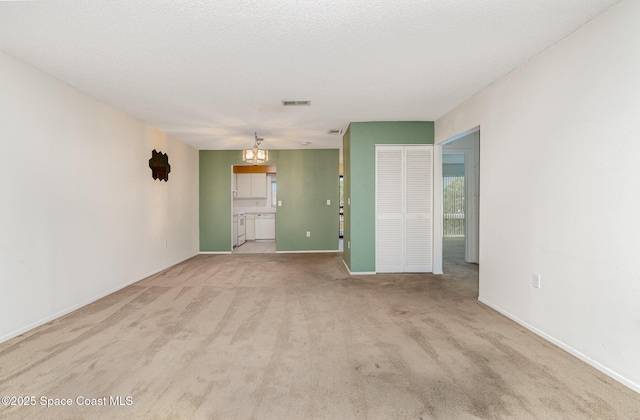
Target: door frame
x=438 y=194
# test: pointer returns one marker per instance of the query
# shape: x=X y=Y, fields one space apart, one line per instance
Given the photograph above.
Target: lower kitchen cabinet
x=251 y=227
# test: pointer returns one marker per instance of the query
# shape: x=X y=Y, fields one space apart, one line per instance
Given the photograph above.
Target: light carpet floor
x=293 y=336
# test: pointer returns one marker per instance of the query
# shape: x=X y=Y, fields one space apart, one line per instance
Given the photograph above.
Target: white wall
x=80 y=215
x=560 y=191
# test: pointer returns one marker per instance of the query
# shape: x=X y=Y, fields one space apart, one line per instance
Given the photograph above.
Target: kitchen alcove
x=254 y=208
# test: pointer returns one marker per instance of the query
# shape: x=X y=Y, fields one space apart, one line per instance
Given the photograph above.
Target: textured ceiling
x=213 y=72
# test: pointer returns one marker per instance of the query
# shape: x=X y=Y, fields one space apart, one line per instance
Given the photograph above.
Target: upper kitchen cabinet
x=251 y=185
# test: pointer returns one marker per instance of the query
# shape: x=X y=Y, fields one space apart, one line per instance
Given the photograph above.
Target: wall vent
x=335 y=131
x=296 y=103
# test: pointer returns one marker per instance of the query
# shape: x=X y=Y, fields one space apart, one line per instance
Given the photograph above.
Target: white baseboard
x=357 y=273
x=215 y=252
x=611 y=373
x=72 y=308
x=320 y=251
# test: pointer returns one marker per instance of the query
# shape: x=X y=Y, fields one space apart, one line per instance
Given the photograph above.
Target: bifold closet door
x=389 y=209
x=404 y=203
x=418 y=208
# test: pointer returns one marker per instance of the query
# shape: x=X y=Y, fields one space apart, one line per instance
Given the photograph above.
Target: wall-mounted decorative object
x=159 y=164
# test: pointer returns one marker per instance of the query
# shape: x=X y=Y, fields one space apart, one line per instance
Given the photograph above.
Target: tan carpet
x=297 y=338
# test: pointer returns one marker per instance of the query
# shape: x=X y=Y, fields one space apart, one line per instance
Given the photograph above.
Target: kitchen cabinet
x=251 y=185
x=251 y=227
x=243 y=185
x=259 y=185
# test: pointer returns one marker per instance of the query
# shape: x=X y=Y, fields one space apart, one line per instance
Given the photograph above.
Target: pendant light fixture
x=256 y=156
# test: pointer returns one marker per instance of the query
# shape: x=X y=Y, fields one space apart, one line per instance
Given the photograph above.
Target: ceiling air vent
x=296 y=103
x=335 y=131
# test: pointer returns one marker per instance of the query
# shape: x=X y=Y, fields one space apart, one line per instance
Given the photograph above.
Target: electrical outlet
x=328 y=202
x=535 y=280
x=279 y=203
x=348 y=244
x=308 y=234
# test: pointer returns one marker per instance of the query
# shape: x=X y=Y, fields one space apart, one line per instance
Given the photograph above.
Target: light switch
x=328 y=202
x=349 y=201
x=279 y=203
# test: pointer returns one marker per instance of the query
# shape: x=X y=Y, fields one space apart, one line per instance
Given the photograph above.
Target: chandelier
x=256 y=156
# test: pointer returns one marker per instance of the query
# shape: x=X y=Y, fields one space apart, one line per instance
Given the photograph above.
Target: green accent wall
x=359 y=177
x=306 y=180
x=215 y=198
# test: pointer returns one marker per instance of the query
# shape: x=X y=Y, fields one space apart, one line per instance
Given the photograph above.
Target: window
x=453 y=206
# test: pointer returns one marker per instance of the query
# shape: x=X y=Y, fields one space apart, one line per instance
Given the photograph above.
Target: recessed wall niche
x=159 y=164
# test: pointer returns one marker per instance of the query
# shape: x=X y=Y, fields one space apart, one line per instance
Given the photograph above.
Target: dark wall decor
x=159 y=164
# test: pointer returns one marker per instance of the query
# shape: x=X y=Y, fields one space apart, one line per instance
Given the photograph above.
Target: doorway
x=460 y=202
x=453 y=195
x=254 y=203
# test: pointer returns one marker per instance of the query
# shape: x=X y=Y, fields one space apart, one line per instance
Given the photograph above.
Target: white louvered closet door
x=418 y=208
x=389 y=209
x=404 y=202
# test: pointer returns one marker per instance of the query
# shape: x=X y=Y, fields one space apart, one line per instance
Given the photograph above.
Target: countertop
x=271 y=211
